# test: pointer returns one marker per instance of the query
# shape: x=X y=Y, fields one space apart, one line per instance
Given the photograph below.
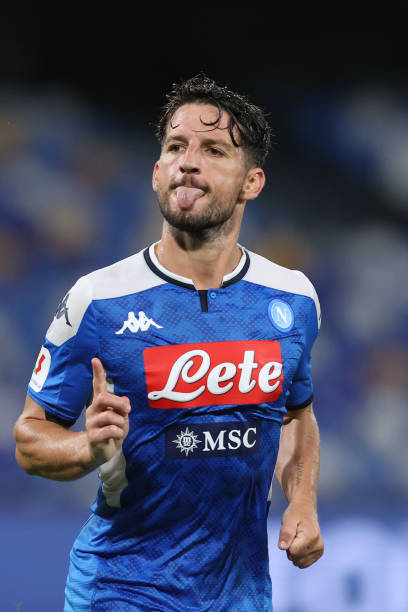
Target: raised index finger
x=99 y=377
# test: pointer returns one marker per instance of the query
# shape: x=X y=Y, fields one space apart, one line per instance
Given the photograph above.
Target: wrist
x=300 y=495
x=88 y=456
x=99 y=453
x=305 y=500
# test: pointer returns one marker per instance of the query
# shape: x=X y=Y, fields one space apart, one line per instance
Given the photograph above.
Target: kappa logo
x=62 y=310
x=215 y=440
x=213 y=373
x=134 y=324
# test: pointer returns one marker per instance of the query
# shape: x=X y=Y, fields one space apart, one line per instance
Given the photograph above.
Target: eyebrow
x=207 y=141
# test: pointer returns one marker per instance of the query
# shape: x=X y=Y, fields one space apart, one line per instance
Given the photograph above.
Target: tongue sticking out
x=186 y=196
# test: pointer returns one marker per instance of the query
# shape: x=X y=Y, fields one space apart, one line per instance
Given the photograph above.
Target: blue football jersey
x=179 y=522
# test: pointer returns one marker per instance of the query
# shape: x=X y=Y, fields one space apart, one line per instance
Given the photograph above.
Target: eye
x=174 y=147
x=215 y=152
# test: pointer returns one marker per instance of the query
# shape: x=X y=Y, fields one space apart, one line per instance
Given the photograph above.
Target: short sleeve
x=62 y=377
x=301 y=391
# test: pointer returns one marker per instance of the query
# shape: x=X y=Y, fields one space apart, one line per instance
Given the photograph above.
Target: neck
x=204 y=258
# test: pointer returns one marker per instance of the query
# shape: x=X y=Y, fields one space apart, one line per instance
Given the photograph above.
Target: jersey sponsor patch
x=213 y=373
x=281 y=315
x=41 y=369
x=207 y=440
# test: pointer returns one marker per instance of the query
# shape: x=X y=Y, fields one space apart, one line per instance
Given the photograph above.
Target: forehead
x=196 y=118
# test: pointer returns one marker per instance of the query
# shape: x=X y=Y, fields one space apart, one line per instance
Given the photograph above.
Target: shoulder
x=264 y=272
x=125 y=277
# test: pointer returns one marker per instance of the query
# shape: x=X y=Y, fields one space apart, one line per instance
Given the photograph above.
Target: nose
x=190 y=162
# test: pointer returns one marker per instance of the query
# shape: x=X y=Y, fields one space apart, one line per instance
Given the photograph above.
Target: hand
x=107 y=418
x=300 y=535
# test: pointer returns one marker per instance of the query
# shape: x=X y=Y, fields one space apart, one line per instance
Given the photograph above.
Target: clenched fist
x=107 y=418
x=300 y=535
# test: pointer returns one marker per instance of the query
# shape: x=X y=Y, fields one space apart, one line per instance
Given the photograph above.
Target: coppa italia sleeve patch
x=213 y=373
x=41 y=369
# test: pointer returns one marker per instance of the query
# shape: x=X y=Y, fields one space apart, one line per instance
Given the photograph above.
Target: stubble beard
x=203 y=224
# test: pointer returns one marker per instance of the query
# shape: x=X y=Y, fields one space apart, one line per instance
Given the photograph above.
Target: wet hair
x=249 y=120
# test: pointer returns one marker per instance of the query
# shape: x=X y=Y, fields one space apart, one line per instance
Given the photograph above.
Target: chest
x=163 y=348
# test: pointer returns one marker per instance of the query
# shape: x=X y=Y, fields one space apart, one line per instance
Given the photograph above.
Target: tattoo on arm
x=299 y=473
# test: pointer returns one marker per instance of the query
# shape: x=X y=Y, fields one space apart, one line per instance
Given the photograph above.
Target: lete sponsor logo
x=41 y=369
x=213 y=373
x=206 y=440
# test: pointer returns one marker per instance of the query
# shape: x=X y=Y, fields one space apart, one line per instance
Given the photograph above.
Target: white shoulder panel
x=124 y=277
x=264 y=272
x=70 y=312
x=127 y=276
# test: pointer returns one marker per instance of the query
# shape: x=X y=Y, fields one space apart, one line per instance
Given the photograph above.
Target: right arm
x=47 y=449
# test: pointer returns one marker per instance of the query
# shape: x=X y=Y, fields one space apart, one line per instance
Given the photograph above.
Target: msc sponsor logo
x=213 y=373
x=204 y=440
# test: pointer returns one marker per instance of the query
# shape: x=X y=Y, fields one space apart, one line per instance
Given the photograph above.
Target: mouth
x=186 y=196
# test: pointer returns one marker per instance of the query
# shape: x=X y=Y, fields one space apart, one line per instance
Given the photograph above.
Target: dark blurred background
x=80 y=91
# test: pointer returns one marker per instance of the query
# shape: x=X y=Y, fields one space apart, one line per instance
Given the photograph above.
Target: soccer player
x=194 y=358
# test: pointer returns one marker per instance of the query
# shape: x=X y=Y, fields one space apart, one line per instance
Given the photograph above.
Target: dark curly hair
x=254 y=130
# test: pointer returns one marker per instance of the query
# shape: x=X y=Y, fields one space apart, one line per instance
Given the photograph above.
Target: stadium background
x=78 y=97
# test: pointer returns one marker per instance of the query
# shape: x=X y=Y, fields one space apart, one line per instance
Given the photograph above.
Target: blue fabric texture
x=189 y=532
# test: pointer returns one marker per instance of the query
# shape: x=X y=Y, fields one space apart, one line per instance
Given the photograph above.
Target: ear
x=253 y=184
x=154 y=177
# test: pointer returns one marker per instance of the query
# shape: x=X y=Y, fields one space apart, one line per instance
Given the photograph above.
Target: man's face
x=199 y=176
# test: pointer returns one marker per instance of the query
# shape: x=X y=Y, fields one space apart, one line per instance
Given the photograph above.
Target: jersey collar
x=156 y=267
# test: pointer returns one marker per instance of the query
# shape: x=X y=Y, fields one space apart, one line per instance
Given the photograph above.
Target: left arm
x=297 y=469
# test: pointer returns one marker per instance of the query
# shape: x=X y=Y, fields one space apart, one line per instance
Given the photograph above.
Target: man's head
x=247 y=124
x=213 y=143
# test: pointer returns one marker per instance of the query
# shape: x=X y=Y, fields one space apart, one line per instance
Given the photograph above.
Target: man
x=200 y=357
